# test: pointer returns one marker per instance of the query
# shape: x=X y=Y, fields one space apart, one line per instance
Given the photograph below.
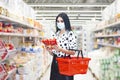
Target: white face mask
x=61 y=26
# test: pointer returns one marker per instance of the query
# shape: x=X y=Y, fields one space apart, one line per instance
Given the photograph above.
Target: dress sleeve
x=72 y=38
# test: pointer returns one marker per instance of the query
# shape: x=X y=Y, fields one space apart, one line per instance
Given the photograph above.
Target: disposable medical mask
x=61 y=25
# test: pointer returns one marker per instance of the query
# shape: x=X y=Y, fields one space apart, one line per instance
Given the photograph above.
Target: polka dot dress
x=67 y=40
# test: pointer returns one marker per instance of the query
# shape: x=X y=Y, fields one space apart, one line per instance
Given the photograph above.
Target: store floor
x=87 y=76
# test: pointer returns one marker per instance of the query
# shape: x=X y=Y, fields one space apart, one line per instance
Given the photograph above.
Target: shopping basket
x=73 y=65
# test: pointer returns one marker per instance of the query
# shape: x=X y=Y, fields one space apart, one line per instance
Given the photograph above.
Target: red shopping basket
x=73 y=65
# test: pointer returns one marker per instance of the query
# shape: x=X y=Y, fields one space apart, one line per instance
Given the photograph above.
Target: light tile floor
x=87 y=76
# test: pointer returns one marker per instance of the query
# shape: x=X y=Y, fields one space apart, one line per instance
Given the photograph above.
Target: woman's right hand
x=48 y=48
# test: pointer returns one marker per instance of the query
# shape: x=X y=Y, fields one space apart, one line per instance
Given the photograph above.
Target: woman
x=65 y=40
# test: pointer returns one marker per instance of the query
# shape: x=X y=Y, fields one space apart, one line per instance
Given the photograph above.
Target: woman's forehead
x=59 y=18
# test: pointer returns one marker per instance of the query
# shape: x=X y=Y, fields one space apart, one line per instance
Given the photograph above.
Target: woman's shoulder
x=70 y=33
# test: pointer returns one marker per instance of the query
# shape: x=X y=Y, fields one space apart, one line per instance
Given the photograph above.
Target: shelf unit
x=18 y=35
x=18 y=22
x=4 y=34
x=112 y=35
x=108 y=26
x=104 y=35
x=108 y=37
x=18 y=25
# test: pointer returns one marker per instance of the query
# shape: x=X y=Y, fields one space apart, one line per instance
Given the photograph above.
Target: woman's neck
x=62 y=31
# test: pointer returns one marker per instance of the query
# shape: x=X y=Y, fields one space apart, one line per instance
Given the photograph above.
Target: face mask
x=60 y=25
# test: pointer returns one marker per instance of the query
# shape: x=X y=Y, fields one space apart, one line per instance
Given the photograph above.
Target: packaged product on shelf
x=3 y=73
x=36 y=24
x=117 y=17
x=41 y=33
x=3 y=51
x=111 y=41
x=31 y=48
x=20 y=30
x=1 y=26
x=110 y=65
x=29 y=32
x=3 y=11
x=117 y=8
x=9 y=45
x=118 y=41
x=10 y=28
x=30 y=21
x=36 y=33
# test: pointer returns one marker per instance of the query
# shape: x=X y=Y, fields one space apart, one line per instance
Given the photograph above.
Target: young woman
x=65 y=40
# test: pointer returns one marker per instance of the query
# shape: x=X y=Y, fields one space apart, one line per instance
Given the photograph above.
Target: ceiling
x=77 y=10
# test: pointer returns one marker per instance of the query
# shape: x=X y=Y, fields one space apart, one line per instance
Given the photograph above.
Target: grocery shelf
x=18 y=35
x=11 y=20
x=108 y=26
x=109 y=45
x=112 y=35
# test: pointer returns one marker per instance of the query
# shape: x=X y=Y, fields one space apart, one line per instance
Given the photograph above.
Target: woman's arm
x=57 y=48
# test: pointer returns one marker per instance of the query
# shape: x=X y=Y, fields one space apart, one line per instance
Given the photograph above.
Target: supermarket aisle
x=46 y=75
x=87 y=76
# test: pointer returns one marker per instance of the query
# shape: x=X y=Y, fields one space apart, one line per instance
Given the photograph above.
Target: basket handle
x=79 y=51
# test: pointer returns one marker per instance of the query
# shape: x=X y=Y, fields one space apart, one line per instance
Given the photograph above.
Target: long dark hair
x=66 y=21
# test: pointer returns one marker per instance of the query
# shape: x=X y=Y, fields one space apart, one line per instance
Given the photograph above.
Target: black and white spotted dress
x=67 y=40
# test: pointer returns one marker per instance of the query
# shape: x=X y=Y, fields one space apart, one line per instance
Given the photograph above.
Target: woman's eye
x=60 y=21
